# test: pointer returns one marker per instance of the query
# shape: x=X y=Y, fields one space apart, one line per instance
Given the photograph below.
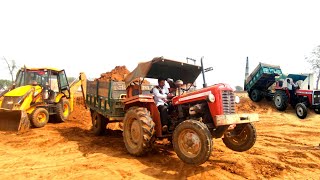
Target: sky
x=95 y=36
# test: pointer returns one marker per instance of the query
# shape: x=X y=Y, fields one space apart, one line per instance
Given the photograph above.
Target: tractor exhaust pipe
x=203 y=76
x=308 y=81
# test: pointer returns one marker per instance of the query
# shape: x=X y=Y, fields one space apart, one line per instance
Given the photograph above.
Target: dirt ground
x=286 y=148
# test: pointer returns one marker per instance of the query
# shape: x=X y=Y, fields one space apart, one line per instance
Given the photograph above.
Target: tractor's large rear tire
x=255 y=95
x=192 y=142
x=281 y=100
x=301 y=110
x=99 y=124
x=242 y=138
x=39 y=117
x=63 y=110
x=138 y=131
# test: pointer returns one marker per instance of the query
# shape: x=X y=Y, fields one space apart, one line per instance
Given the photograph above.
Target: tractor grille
x=316 y=97
x=228 y=102
x=9 y=101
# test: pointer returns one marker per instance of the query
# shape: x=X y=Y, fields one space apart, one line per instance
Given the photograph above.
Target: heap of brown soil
x=119 y=73
x=116 y=74
x=246 y=105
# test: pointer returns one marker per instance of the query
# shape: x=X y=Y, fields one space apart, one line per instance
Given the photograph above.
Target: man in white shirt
x=161 y=95
x=291 y=87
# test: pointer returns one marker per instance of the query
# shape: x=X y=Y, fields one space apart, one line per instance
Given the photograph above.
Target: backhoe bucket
x=14 y=120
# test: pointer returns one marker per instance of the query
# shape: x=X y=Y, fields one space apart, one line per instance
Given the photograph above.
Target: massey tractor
x=195 y=118
x=301 y=96
x=294 y=89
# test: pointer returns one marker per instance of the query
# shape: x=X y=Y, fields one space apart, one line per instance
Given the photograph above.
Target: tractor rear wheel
x=280 y=100
x=301 y=110
x=62 y=110
x=39 y=117
x=192 y=142
x=138 y=131
x=242 y=138
x=99 y=124
x=255 y=95
x=317 y=110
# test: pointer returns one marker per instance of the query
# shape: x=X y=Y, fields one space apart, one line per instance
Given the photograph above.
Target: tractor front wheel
x=301 y=110
x=138 y=131
x=192 y=142
x=39 y=117
x=241 y=138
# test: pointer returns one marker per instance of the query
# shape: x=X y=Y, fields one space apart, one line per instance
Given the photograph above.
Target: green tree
x=71 y=79
x=239 y=88
x=314 y=60
x=4 y=83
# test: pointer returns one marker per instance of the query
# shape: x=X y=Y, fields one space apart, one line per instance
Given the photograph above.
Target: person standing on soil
x=161 y=95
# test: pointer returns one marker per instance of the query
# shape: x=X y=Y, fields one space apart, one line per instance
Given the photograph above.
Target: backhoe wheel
x=39 y=117
x=241 y=138
x=255 y=95
x=317 y=110
x=99 y=124
x=63 y=110
x=301 y=110
x=192 y=142
x=281 y=100
x=138 y=131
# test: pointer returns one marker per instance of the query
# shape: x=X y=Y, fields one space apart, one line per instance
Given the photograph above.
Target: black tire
x=138 y=131
x=39 y=117
x=242 y=138
x=189 y=135
x=99 y=124
x=62 y=110
x=280 y=100
x=255 y=95
x=301 y=110
x=317 y=111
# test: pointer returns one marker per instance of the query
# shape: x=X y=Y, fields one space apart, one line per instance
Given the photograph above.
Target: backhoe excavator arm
x=74 y=86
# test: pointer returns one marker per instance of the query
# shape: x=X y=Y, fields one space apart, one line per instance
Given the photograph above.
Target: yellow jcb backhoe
x=37 y=94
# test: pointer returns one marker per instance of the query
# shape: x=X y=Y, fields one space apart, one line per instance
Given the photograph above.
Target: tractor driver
x=292 y=88
x=161 y=96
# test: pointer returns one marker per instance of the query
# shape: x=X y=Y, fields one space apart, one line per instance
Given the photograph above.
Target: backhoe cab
x=36 y=94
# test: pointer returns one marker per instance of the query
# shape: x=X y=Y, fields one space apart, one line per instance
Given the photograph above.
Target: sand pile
x=119 y=73
x=116 y=74
x=246 y=105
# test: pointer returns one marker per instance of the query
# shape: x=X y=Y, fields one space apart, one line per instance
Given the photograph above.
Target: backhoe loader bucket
x=14 y=120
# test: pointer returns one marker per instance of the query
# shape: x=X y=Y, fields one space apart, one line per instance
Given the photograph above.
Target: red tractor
x=194 y=117
x=295 y=90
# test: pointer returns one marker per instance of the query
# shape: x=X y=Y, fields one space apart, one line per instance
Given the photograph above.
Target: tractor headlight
x=211 y=98
x=237 y=99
